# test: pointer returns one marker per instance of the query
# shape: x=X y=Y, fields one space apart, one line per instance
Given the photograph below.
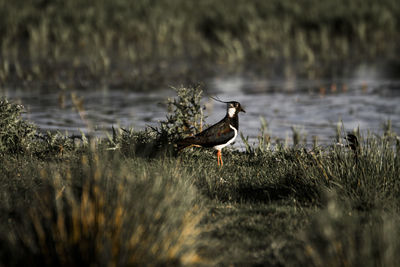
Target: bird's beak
x=242 y=110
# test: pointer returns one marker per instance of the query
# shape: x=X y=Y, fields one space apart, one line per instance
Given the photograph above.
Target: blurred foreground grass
x=123 y=42
x=128 y=200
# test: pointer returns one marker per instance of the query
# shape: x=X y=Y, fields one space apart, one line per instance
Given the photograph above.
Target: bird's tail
x=188 y=141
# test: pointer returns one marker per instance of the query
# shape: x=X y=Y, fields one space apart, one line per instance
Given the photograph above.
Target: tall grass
x=101 y=210
x=340 y=236
x=120 y=42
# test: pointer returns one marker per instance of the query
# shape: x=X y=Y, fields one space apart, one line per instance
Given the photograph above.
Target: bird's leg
x=219 y=157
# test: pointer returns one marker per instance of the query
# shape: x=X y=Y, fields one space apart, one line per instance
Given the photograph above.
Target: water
x=314 y=107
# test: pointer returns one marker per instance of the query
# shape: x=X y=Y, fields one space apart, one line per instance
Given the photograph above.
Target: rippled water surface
x=314 y=107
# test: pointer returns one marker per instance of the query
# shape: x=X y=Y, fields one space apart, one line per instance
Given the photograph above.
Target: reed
x=119 y=43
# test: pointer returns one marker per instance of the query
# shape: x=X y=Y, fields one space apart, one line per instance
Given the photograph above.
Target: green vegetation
x=144 y=43
x=126 y=201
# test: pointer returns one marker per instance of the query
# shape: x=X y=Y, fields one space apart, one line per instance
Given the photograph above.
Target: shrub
x=16 y=134
x=185 y=115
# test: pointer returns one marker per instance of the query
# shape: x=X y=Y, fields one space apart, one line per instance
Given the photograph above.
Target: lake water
x=314 y=107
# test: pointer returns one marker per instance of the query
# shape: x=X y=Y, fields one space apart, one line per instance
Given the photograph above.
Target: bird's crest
x=218 y=100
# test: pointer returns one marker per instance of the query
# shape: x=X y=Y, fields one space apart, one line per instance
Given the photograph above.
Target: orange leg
x=219 y=157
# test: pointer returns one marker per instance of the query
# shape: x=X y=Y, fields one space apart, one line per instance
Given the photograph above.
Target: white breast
x=219 y=147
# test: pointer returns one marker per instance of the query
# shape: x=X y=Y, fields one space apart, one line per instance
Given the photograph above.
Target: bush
x=185 y=117
x=16 y=134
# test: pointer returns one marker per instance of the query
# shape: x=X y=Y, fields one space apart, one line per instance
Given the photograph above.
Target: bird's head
x=233 y=108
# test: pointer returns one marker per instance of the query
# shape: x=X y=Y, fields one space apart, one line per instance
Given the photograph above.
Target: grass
x=124 y=201
x=119 y=43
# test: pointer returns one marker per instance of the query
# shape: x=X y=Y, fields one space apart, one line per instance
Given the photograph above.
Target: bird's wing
x=217 y=134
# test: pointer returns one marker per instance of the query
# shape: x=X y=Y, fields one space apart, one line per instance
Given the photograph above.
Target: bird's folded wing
x=215 y=135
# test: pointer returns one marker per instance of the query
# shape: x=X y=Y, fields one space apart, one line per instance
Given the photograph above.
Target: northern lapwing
x=353 y=144
x=353 y=141
x=218 y=135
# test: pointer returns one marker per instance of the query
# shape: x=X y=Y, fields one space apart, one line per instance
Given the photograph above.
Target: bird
x=353 y=144
x=353 y=141
x=219 y=135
